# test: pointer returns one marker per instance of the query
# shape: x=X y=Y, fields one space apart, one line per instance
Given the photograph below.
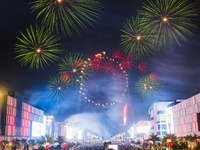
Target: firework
x=125 y=114
x=127 y=62
x=109 y=67
x=65 y=77
x=136 y=40
x=118 y=74
x=104 y=71
x=67 y=15
x=169 y=20
x=97 y=61
x=37 y=48
x=117 y=55
x=143 y=67
x=73 y=65
x=147 y=88
x=153 y=75
x=57 y=88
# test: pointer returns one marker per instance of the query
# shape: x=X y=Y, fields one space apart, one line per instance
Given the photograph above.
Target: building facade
x=142 y=130
x=186 y=117
x=26 y=114
x=23 y=121
x=8 y=116
x=158 y=117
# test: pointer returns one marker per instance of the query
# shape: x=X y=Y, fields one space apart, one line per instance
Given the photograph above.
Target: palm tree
x=197 y=147
x=60 y=140
x=153 y=138
x=183 y=145
x=46 y=139
x=169 y=136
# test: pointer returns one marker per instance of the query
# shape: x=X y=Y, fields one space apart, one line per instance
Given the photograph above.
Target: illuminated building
x=158 y=116
x=133 y=132
x=23 y=121
x=187 y=117
x=54 y=128
x=181 y=117
x=140 y=130
x=8 y=115
x=38 y=129
x=26 y=114
x=73 y=133
x=61 y=129
x=50 y=122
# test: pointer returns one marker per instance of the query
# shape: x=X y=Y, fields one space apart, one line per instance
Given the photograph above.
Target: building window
x=158 y=127
x=163 y=121
x=164 y=127
x=161 y=112
x=164 y=132
x=158 y=133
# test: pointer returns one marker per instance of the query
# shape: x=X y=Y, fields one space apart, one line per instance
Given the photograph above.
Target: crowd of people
x=102 y=147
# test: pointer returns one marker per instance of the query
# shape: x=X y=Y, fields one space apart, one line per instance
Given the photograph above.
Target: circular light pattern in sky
x=109 y=81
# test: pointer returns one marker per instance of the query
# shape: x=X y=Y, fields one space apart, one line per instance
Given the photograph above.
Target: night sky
x=178 y=69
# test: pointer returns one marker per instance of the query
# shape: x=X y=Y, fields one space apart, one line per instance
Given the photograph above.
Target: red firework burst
x=117 y=55
x=143 y=67
x=153 y=75
x=99 y=54
x=127 y=62
x=118 y=75
x=108 y=67
x=65 y=77
x=93 y=62
x=97 y=66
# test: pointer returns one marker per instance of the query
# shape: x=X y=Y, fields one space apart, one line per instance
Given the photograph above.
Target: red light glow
x=153 y=75
x=128 y=61
x=143 y=67
x=65 y=77
x=125 y=112
x=117 y=55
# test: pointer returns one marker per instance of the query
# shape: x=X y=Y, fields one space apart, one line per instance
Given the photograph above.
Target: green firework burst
x=57 y=89
x=136 y=40
x=67 y=15
x=147 y=88
x=74 y=65
x=170 y=20
x=37 y=48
